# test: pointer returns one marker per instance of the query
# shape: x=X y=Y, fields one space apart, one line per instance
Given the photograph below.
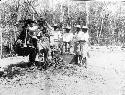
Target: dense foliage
x=104 y=19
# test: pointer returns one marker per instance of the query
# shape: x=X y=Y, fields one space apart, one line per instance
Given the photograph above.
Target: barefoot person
x=76 y=44
x=83 y=38
x=67 y=37
x=81 y=45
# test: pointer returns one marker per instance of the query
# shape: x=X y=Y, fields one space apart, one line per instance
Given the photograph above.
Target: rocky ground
x=105 y=75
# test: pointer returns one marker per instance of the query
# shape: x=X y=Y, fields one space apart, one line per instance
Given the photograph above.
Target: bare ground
x=105 y=75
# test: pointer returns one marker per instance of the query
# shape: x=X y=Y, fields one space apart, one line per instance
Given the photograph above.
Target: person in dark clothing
x=25 y=44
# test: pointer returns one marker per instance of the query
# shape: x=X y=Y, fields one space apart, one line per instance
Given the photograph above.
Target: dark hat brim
x=68 y=29
x=29 y=21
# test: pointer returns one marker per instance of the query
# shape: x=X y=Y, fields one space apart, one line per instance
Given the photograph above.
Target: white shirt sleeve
x=86 y=36
x=81 y=36
x=71 y=36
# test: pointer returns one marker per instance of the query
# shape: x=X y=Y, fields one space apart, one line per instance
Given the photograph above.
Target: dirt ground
x=105 y=75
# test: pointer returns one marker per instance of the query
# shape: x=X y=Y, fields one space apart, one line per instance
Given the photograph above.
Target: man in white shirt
x=67 y=37
x=76 y=44
x=82 y=40
x=83 y=37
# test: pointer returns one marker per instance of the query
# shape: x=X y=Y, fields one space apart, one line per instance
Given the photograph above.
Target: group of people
x=36 y=38
x=77 y=43
x=70 y=41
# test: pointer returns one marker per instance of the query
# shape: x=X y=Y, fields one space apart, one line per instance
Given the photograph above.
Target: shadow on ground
x=21 y=68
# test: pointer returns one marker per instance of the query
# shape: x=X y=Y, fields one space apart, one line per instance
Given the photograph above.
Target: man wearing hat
x=81 y=42
x=76 y=44
x=67 y=37
x=83 y=39
x=25 y=44
x=43 y=42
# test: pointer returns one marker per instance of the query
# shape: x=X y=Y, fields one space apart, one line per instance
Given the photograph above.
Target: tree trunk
x=100 y=32
x=87 y=12
x=97 y=36
x=1 y=43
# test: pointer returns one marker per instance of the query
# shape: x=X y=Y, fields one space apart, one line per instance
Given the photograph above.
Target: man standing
x=83 y=39
x=81 y=45
x=67 y=37
x=55 y=37
x=76 y=44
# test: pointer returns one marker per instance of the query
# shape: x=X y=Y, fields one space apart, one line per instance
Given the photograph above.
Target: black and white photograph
x=62 y=47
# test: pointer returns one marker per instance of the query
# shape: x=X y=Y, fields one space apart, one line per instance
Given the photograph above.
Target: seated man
x=43 y=46
x=25 y=44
